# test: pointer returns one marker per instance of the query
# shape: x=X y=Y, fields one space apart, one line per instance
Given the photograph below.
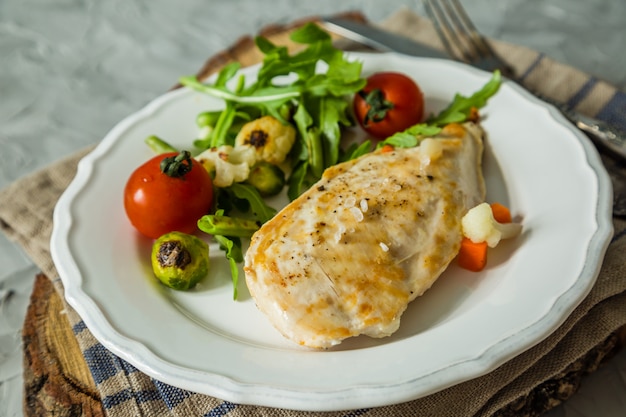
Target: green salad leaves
x=292 y=88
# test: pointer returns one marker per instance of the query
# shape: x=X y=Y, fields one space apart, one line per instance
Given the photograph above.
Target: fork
x=465 y=43
x=461 y=39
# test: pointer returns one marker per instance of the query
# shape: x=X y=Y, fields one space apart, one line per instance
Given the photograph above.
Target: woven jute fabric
x=26 y=209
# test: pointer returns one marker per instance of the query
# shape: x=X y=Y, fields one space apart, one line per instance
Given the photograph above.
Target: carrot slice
x=474 y=115
x=472 y=256
x=454 y=129
x=501 y=213
x=387 y=149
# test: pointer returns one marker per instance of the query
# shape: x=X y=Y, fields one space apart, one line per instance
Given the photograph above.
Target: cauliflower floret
x=228 y=164
x=271 y=139
x=479 y=225
x=241 y=154
x=431 y=149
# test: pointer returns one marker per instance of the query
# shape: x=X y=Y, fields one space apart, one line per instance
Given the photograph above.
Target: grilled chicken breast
x=348 y=255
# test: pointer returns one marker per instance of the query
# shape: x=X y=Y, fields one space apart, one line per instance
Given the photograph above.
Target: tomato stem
x=176 y=166
x=378 y=106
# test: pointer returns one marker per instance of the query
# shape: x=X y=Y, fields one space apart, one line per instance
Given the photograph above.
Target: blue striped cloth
x=612 y=111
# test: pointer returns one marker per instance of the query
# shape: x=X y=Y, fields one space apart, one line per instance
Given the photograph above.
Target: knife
x=379 y=39
x=599 y=132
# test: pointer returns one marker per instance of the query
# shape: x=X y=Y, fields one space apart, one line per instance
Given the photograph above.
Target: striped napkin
x=512 y=389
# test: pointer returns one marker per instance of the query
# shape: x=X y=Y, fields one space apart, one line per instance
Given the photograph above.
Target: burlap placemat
x=127 y=392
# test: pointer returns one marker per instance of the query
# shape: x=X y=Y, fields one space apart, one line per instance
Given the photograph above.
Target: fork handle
x=602 y=134
x=599 y=132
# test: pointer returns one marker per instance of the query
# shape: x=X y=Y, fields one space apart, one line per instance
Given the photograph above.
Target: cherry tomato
x=158 y=202
x=389 y=103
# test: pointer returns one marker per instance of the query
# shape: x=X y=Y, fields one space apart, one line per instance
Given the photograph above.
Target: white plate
x=465 y=326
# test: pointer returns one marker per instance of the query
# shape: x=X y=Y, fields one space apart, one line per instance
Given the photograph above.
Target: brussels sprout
x=267 y=178
x=180 y=260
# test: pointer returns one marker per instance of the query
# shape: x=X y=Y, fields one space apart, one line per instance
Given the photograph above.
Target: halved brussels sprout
x=180 y=260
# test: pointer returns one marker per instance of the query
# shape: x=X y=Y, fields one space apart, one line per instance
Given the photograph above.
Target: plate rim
x=227 y=388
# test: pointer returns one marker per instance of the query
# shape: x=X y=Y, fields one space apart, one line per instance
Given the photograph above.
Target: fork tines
x=459 y=35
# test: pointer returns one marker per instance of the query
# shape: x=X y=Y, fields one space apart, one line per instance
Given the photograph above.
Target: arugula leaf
x=400 y=140
x=208 y=118
x=218 y=136
x=266 y=47
x=309 y=33
x=313 y=147
x=258 y=96
x=227 y=231
x=410 y=137
x=458 y=111
x=234 y=255
x=227 y=73
x=300 y=180
x=218 y=224
x=259 y=208
x=333 y=115
x=356 y=150
x=278 y=61
x=158 y=145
